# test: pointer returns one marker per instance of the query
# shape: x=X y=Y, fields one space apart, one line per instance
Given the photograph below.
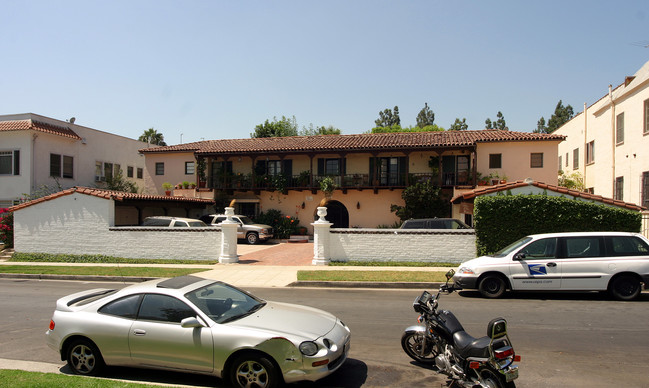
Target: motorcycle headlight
x=465 y=271
x=308 y=348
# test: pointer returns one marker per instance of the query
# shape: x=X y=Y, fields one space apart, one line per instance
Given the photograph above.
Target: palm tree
x=152 y=136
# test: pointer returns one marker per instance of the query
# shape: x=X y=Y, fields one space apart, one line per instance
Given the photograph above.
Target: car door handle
x=139 y=332
x=552 y=264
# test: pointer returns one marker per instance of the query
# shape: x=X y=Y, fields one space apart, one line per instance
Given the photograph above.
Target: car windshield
x=224 y=303
x=246 y=220
x=511 y=247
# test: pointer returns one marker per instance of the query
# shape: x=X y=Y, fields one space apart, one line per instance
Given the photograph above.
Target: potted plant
x=185 y=185
x=327 y=185
x=201 y=172
x=167 y=188
x=192 y=185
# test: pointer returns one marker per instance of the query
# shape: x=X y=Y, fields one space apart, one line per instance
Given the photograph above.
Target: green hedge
x=501 y=220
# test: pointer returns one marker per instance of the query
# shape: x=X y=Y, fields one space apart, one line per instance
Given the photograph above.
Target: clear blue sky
x=216 y=69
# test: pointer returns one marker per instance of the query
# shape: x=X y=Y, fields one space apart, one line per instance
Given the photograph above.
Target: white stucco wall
x=81 y=224
x=401 y=245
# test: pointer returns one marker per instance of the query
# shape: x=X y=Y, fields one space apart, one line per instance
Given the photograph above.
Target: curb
x=396 y=285
x=297 y=284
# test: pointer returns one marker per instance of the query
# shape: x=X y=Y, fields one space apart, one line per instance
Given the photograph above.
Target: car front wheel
x=253 y=371
x=252 y=238
x=492 y=286
x=84 y=358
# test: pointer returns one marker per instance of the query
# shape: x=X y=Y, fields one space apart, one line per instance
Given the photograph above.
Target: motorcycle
x=440 y=341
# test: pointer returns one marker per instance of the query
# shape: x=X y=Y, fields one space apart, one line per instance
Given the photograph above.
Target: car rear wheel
x=253 y=371
x=252 y=238
x=84 y=358
x=625 y=287
x=492 y=286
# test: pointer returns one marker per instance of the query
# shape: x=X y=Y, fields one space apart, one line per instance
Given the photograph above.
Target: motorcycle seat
x=468 y=346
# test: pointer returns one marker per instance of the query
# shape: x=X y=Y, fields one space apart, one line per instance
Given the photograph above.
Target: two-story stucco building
x=38 y=151
x=608 y=143
x=370 y=170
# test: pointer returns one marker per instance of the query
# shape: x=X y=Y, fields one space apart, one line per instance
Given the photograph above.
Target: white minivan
x=616 y=262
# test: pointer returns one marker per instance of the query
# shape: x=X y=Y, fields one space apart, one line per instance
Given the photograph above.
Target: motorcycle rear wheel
x=493 y=379
x=412 y=343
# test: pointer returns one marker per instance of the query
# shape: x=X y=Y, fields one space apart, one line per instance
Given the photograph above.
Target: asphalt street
x=565 y=340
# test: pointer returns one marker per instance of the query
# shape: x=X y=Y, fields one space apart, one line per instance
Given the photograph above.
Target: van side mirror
x=520 y=256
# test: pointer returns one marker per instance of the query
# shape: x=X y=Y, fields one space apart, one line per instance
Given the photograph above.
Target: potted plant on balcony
x=327 y=186
x=201 y=172
x=167 y=188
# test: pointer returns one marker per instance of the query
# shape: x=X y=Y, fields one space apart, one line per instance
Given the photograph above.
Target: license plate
x=511 y=374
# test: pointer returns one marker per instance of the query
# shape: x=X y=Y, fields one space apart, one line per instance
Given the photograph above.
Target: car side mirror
x=190 y=322
x=520 y=256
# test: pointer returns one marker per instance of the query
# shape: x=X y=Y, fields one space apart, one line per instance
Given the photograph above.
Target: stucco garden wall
x=82 y=224
x=454 y=246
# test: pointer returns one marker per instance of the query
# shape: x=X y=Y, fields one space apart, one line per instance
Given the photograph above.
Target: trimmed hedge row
x=501 y=220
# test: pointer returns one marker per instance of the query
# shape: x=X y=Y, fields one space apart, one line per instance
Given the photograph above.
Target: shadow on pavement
x=557 y=295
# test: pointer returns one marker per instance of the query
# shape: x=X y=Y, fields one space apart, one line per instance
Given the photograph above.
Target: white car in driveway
x=197 y=325
x=616 y=262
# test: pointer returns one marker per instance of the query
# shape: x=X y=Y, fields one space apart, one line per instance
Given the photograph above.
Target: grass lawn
x=22 y=379
x=97 y=271
x=372 y=276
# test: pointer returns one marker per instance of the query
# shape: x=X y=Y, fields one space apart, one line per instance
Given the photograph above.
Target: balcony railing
x=349 y=181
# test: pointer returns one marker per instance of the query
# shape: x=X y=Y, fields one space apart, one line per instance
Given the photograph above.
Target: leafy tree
x=422 y=200
x=397 y=128
x=117 y=182
x=572 y=181
x=498 y=124
x=459 y=125
x=388 y=118
x=425 y=117
x=540 y=126
x=321 y=130
x=152 y=136
x=276 y=128
x=562 y=114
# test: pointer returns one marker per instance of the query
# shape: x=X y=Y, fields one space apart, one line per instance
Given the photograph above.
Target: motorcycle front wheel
x=493 y=379
x=412 y=343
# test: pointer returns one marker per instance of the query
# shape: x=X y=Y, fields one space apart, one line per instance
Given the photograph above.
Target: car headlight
x=264 y=231
x=465 y=271
x=308 y=348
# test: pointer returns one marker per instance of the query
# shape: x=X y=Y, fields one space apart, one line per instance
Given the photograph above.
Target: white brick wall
x=80 y=224
x=453 y=246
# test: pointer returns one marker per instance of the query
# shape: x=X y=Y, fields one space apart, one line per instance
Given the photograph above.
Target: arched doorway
x=337 y=214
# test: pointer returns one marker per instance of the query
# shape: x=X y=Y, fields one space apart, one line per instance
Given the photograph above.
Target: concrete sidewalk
x=264 y=265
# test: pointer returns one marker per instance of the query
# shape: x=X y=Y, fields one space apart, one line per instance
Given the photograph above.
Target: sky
x=202 y=70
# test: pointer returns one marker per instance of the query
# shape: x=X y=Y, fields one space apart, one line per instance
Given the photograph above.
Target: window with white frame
x=590 y=152
x=10 y=162
x=61 y=166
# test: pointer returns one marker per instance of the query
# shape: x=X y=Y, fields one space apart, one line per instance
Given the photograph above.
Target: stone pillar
x=229 y=240
x=321 y=238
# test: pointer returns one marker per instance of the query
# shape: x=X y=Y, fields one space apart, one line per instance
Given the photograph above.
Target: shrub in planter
x=7 y=228
x=283 y=226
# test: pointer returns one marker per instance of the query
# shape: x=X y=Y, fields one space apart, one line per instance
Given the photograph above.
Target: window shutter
x=16 y=162
x=321 y=166
x=287 y=167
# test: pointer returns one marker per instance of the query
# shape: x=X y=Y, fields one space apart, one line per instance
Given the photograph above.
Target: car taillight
x=503 y=353
x=52 y=324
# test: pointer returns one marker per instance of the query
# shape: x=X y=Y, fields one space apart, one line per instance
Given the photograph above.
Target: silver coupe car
x=192 y=324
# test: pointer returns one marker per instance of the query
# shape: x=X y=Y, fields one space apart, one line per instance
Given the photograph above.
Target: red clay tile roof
x=24 y=125
x=109 y=194
x=470 y=195
x=362 y=142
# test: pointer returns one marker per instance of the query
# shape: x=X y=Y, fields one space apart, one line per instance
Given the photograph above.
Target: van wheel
x=492 y=286
x=252 y=238
x=625 y=287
